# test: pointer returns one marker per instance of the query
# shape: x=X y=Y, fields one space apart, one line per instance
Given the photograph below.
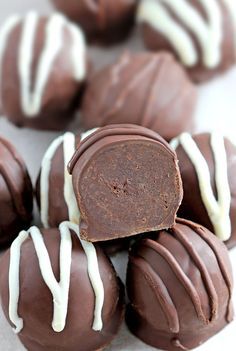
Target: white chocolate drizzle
x=209 y=33
x=32 y=96
x=44 y=179
x=68 y=141
x=59 y=290
x=231 y=5
x=218 y=210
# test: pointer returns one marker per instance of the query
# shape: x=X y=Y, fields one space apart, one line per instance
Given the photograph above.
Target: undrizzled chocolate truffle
x=60 y=293
x=180 y=287
x=126 y=181
x=148 y=89
x=208 y=166
x=42 y=70
x=103 y=21
x=201 y=34
x=16 y=194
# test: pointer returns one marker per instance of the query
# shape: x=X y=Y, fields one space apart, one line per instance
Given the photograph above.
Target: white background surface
x=216 y=110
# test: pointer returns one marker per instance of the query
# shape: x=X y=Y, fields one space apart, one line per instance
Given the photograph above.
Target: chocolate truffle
x=103 y=21
x=54 y=189
x=126 y=181
x=201 y=34
x=42 y=70
x=180 y=287
x=148 y=89
x=16 y=194
x=208 y=167
x=59 y=292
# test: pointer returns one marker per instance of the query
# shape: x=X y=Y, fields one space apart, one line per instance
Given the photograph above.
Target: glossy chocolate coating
x=103 y=21
x=62 y=92
x=36 y=305
x=126 y=181
x=180 y=287
x=147 y=89
x=16 y=194
x=192 y=206
x=156 y=41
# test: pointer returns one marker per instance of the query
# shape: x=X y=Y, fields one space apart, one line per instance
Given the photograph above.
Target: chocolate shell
x=208 y=164
x=126 y=181
x=151 y=90
x=69 y=296
x=201 y=34
x=16 y=194
x=104 y=21
x=42 y=70
x=180 y=287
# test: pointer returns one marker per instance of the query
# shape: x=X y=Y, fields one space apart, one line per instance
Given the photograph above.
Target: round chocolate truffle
x=103 y=21
x=16 y=194
x=42 y=70
x=201 y=34
x=148 y=89
x=126 y=181
x=208 y=166
x=180 y=287
x=59 y=292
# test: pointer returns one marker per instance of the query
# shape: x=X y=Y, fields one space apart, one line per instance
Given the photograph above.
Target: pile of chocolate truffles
x=136 y=176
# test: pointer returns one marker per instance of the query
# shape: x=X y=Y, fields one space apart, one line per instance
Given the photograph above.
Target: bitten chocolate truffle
x=16 y=194
x=59 y=292
x=148 y=89
x=103 y=21
x=54 y=190
x=42 y=70
x=180 y=287
x=201 y=34
x=126 y=181
x=208 y=165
